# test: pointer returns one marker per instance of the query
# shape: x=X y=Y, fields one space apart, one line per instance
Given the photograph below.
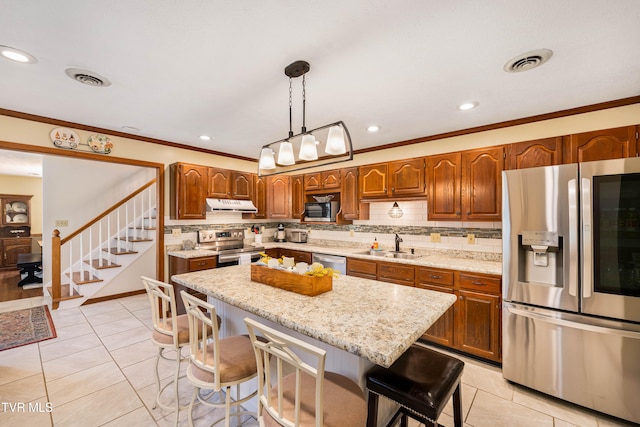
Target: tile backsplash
x=413 y=227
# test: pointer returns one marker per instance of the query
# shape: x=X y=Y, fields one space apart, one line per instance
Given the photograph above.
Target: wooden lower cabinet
x=472 y=325
x=298 y=256
x=11 y=248
x=179 y=265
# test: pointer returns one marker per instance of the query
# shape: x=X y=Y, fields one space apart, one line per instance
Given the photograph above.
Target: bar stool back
x=301 y=393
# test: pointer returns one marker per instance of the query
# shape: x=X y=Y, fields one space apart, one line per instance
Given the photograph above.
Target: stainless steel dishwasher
x=338 y=263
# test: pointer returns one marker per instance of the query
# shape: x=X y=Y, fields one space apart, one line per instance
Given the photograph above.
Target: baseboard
x=115 y=296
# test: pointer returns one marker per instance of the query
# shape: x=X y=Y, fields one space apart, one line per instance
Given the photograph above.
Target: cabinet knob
x=461 y=298
x=433 y=276
x=478 y=283
x=393 y=189
x=468 y=212
x=457 y=212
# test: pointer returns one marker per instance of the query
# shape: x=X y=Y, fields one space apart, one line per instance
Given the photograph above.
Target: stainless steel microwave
x=321 y=211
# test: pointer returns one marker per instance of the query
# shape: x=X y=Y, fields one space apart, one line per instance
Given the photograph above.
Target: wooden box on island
x=290 y=281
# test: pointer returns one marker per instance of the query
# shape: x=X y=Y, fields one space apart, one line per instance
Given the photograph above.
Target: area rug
x=26 y=326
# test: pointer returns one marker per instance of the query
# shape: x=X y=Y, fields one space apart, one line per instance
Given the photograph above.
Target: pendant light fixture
x=333 y=139
x=395 y=211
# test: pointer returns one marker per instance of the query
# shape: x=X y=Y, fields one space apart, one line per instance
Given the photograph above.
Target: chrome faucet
x=398 y=240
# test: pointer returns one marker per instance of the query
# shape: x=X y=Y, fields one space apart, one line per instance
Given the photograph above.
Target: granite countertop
x=371 y=319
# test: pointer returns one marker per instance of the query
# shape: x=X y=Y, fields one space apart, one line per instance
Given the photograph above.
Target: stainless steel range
x=229 y=244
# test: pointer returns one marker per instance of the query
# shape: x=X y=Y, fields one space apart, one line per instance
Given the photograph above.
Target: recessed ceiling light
x=467 y=105
x=205 y=137
x=373 y=128
x=17 y=55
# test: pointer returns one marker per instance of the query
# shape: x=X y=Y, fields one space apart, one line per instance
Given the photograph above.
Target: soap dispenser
x=375 y=243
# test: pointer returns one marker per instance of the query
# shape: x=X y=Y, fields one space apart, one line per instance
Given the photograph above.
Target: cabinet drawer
x=197 y=264
x=362 y=268
x=397 y=273
x=435 y=276
x=482 y=283
x=298 y=256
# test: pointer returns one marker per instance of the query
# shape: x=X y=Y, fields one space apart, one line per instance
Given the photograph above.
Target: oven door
x=234 y=258
x=610 y=214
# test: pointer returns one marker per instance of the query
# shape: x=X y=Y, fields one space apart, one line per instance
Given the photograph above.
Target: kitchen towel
x=244 y=259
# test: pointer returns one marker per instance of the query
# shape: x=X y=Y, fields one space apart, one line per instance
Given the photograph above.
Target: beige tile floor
x=99 y=372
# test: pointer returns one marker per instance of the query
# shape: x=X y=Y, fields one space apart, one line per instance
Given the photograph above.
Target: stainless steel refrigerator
x=571 y=283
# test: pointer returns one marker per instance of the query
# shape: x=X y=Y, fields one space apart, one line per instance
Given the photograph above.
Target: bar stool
x=421 y=381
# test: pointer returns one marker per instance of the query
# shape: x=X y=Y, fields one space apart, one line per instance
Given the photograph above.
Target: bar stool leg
x=372 y=410
x=457 y=407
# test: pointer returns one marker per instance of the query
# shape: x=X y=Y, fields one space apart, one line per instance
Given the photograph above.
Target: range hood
x=230 y=205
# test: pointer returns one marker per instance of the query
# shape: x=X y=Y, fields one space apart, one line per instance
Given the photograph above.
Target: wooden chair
x=170 y=332
x=308 y=396
x=216 y=364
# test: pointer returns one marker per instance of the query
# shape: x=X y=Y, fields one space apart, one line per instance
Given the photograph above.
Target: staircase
x=93 y=256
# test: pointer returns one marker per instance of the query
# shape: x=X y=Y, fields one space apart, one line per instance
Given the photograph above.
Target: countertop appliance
x=298 y=236
x=280 y=234
x=230 y=246
x=571 y=283
x=335 y=262
x=321 y=211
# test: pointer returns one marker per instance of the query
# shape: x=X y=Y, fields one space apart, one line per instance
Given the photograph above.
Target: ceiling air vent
x=88 y=78
x=528 y=61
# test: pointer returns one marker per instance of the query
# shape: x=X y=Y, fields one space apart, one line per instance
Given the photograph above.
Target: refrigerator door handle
x=587 y=249
x=575 y=325
x=573 y=237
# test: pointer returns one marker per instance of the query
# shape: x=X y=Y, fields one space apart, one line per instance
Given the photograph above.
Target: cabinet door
x=12 y=248
x=350 y=205
x=482 y=184
x=362 y=268
x=241 y=185
x=16 y=210
x=605 y=144
x=219 y=183
x=373 y=181
x=477 y=324
x=441 y=332
x=297 y=196
x=278 y=197
x=531 y=154
x=188 y=191
x=259 y=198
x=444 y=187
x=312 y=181
x=407 y=177
x=330 y=179
x=400 y=274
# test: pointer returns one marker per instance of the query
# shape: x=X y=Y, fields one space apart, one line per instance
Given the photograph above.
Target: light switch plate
x=435 y=237
x=62 y=222
x=176 y=231
x=471 y=239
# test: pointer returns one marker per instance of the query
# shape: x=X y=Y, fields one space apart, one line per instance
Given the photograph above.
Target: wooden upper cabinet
x=531 y=154
x=278 y=197
x=219 y=183
x=350 y=205
x=605 y=144
x=482 y=184
x=188 y=191
x=444 y=187
x=407 y=177
x=374 y=180
x=241 y=185
x=297 y=196
x=259 y=198
x=325 y=180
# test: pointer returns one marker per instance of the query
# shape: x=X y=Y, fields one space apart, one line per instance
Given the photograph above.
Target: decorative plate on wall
x=64 y=138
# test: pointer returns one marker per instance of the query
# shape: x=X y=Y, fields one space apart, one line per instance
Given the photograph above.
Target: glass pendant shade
x=266 y=159
x=395 y=211
x=308 y=150
x=285 y=154
x=335 y=141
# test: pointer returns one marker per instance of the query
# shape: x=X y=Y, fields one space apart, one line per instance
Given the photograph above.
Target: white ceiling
x=180 y=69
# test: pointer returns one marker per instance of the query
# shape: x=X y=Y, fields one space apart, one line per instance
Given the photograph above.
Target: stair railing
x=137 y=211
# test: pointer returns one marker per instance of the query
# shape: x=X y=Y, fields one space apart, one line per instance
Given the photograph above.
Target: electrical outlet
x=176 y=231
x=435 y=237
x=471 y=239
x=308 y=231
x=350 y=233
x=62 y=222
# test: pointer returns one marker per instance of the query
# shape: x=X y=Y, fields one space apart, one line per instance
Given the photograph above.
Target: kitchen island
x=371 y=320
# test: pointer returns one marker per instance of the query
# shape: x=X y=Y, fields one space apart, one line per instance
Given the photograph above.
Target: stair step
x=64 y=293
x=121 y=252
x=142 y=228
x=136 y=240
x=95 y=263
x=84 y=278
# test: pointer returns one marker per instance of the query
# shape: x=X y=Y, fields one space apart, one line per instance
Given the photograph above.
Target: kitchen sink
x=390 y=254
